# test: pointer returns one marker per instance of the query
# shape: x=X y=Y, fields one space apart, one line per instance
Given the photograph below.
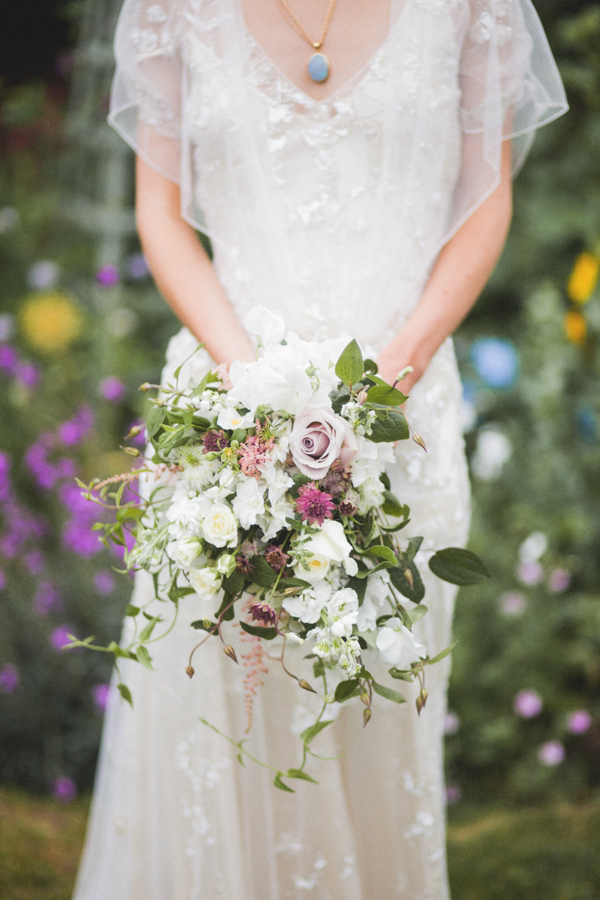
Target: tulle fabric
x=504 y=74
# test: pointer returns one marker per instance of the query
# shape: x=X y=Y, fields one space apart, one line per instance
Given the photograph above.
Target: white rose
x=318 y=567
x=398 y=646
x=205 y=581
x=220 y=526
x=184 y=551
x=248 y=502
x=331 y=544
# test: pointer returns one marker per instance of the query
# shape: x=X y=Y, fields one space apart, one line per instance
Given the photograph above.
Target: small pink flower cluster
x=252 y=454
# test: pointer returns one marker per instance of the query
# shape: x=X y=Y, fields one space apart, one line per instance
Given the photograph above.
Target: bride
x=351 y=164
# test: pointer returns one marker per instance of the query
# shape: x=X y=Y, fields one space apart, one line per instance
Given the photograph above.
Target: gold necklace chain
x=299 y=28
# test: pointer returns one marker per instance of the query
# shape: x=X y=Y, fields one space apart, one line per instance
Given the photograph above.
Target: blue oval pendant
x=318 y=67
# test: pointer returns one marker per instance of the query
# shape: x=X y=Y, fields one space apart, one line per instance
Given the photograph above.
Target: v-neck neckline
x=351 y=83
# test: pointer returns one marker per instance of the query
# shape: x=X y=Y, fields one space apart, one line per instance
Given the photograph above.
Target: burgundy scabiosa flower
x=314 y=505
x=215 y=441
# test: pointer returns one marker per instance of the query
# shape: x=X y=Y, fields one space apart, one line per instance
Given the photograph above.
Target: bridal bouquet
x=270 y=504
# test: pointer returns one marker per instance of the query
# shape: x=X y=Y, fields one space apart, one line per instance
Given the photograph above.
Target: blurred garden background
x=81 y=326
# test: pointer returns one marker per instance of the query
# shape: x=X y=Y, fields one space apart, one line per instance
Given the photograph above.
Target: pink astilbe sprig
x=314 y=505
x=254 y=662
x=252 y=453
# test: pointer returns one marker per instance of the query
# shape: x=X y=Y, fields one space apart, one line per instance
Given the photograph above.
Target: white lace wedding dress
x=332 y=213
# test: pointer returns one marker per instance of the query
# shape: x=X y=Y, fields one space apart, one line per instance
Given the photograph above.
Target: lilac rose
x=318 y=438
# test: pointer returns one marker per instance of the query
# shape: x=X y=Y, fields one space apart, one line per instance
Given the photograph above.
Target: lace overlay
x=330 y=212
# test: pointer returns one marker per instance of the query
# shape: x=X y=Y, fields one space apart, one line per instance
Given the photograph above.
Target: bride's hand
x=392 y=360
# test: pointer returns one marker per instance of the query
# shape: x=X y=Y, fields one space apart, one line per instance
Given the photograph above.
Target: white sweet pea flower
x=230 y=418
x=220 y=526
x=248 y=502
x=259 y=384
x=185 y=551
x=275 y=520
x=268 y=327
x=343 y=611
x=398 y=646
x=374 y=603
x=186 y=513
x=307 y=606
x=331 y=544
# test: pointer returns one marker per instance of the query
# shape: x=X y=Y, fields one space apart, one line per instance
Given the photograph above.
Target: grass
x=541 y=853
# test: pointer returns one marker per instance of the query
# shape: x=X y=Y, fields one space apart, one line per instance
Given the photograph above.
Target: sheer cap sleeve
x=146 y=95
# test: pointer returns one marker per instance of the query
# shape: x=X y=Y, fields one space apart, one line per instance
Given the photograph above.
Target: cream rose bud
x=226 y=564
x=205 y=581
x=219 y=527
x=184 y=551
x=398 y=646
x=318 y=438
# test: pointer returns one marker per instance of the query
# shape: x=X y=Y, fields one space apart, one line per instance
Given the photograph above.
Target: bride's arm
x=183 y=272
x=458 y=277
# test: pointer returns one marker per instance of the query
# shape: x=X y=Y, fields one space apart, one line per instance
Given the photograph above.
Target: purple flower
x=27 y=374
x=108 y=275
x=314 y=505
x=453 y=794
x=9 y=679
x=512 y=603
x=35 y=562
x=46 y=599
x=63 y=789
x=78 y=537
x=112 y=389
x=137 y=266
x=8 y=358
x=60 y=637
x=530 y=573
x=101 y=692
x=551 y=753
x=73 y=431
x=559 y=580
x=104 y=582
x=528 y=704
x=276 y=558
x=451 y=722
x=579 y=721
x=262 y=612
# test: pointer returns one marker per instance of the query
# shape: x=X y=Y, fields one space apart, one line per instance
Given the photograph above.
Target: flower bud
x=409 y=577
x=404 y=372
x=230 y=652
x=146 y=386
x=306 y=686
x=419 y=440
x=365 y=699
x=361 y=396
x=367 y=713
x=131 y=451
x=189 y=672
x=422 y=699
x=134 y=432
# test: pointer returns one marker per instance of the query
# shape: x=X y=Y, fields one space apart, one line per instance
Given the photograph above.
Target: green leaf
x=259 y=631
x=199 y=624
x=298 y=773
x=380 y=552
x=388 y=693
x=292 y=583
x=238 y=435
x=414 y=591
x=347 y=689
x=458 y=566
x=349 y=367
x=233 y=583
x=392 y=506
x=386 y=395
x=144 y=657
x=390 y=425
x=414 y=545
x=370 y=366
x=262 y=573
x=132 y=610
x=147 y=630
x=125 y=693
x=401 y=675
x=154 y=420
x=443 y=654
x=281 y=785
x=310 y=733
x=417 y=613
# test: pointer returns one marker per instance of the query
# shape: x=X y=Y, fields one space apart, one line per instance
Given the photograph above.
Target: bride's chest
x=238 y=98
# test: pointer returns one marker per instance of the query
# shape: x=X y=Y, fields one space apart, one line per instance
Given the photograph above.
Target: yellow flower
x=575 y=326
x=583 y=277
x=51 y=321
